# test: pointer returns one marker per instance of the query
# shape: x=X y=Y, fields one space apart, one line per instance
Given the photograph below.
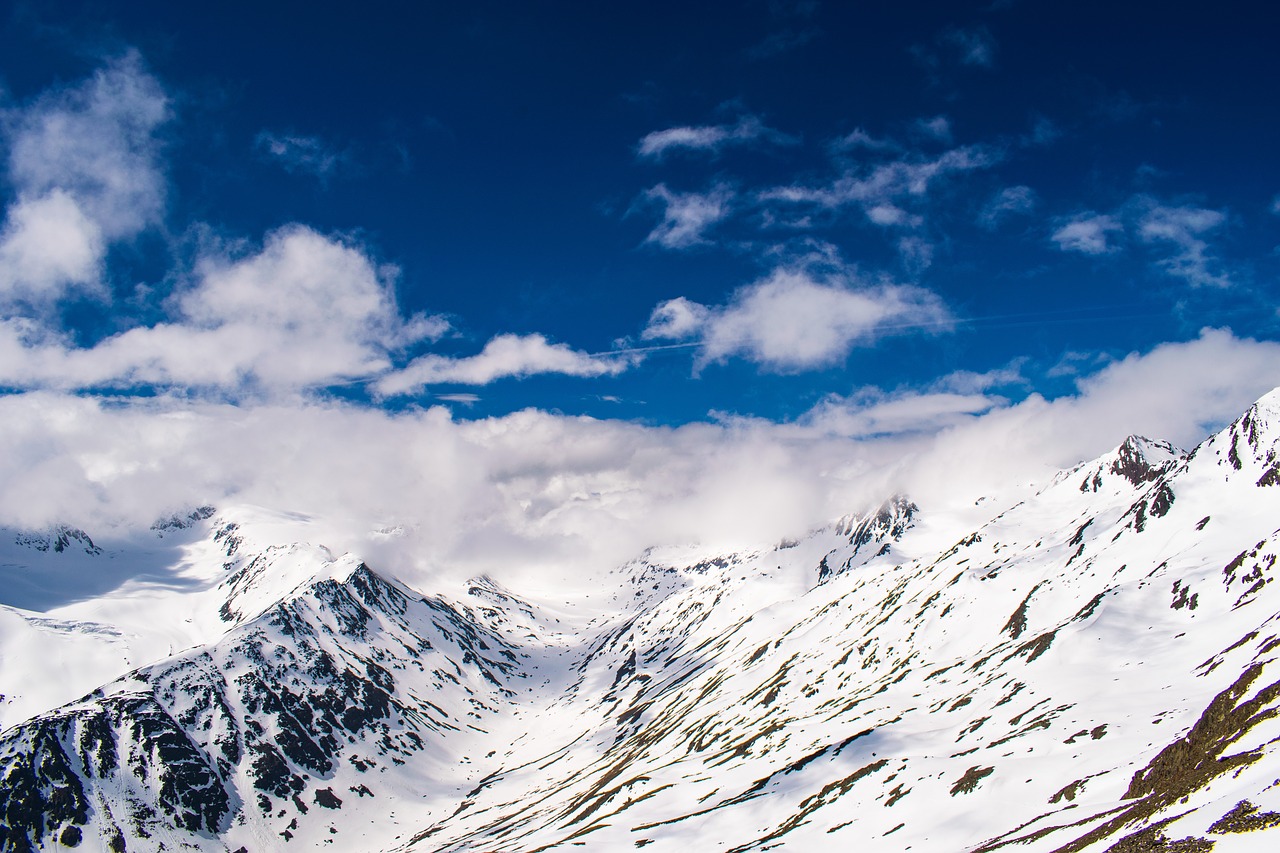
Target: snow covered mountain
x=1090 y=668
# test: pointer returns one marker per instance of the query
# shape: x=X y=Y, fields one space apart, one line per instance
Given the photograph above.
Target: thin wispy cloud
x=1087 y=233
x=783 y=41
x=861 y=139
x=710 y=138
x=916 y=253
x=461 y=398
x=1009 y=202
x=686 y=217
x=908 y=176
x=1182 y=230
x=299 y=154
x=503 y=357
x=972 y=45
x=1175 y=237
x=937 y=128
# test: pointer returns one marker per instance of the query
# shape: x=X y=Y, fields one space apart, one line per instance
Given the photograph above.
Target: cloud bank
x=575 y=496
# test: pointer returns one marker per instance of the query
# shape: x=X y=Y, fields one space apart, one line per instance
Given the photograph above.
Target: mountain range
x=1088 y=664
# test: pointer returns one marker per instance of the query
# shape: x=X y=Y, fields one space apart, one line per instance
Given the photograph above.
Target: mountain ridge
x=892 y=680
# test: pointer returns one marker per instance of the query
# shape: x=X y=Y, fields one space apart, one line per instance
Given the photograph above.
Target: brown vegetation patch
x=1245 y=817
x=969 y=781
x=1153 y=840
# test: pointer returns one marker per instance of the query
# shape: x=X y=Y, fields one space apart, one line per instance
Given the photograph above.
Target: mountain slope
x=1093 y=668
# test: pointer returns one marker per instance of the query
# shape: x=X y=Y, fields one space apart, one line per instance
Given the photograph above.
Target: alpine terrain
x=1089 y=664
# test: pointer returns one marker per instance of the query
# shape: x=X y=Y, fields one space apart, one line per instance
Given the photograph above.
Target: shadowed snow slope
x=1091 y=669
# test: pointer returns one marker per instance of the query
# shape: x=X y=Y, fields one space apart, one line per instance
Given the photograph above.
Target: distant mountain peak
x=58 y=539
x=872 y=534
x=183 y=520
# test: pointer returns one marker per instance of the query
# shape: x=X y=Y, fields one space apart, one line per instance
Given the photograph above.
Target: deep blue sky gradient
x=489 y=150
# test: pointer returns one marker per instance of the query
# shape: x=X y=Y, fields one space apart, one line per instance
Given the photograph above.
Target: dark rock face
x=60 y=539
x=182 y=521
x=283 y=699
x=872 y=535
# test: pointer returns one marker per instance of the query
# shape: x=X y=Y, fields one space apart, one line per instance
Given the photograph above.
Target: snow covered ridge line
x=1091 y=669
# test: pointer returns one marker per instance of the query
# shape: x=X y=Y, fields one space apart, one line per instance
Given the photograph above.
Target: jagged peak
x=892 y=518
x=57 y=538
x=182 y=520
x=878 y=529
x=1137 y=460
x=1251 y=441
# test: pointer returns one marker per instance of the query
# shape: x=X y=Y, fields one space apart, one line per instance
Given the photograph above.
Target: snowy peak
x=1091 y=669
x=873 y=534
x=282 y=721
x=1137 y=461
x=1255 y=437
x=58 y=539
x=182 y=520
x=1249 y=448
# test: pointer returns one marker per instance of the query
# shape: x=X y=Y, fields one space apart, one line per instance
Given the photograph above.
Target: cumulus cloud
x=565 y=498
x=299 y=154
x=687 y=216
x=1182 y=229
x=85 y=164
x=304 y=310
x=505 y=356
x=792 y=321
x=1087 y=233
x=48 y=246
x=710 y=138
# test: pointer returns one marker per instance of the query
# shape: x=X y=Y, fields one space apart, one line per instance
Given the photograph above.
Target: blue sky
x=653 y=212
x=555 y=278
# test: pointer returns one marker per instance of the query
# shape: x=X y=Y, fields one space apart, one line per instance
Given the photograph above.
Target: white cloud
x=1087 y=233
x=84 y=161
x=305 y=310
x=296 y=153
x=907 y=177
x=710 y=138
x=504 y=356
x=461 y=398
x=48 y=246
x=568 y=497
x=676 y=319
x=791 y=321
x=887 y=214
x=871 y=412
x=687 y=216
x=1182 y=229
x=1010 y=201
